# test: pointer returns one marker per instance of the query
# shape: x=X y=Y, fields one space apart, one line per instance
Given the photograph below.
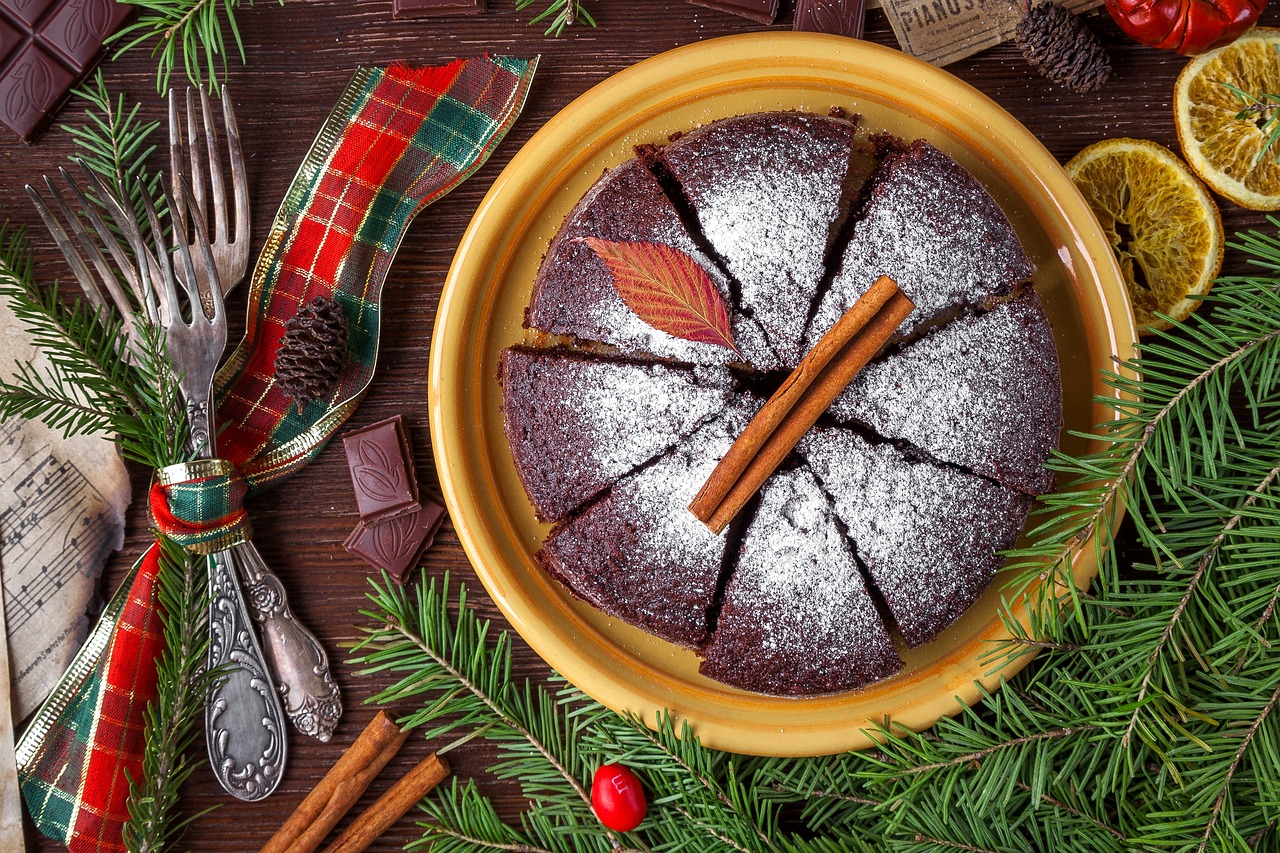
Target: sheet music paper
x=62 y=505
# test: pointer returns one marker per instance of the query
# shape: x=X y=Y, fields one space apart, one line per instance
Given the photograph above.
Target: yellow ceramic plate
x=491 y=280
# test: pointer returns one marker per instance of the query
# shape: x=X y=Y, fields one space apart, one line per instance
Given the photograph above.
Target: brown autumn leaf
x=667 y=289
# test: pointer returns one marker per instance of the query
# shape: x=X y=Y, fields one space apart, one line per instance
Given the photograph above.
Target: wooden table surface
x=300 y=55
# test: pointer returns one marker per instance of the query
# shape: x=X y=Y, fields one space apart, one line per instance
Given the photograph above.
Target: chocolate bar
x=764 y=11
x=434 y=8
x=836 y=17
x=396 y=545
x=381 y=463
x=46 y=46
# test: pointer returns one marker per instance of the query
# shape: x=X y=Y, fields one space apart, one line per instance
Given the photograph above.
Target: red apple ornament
x=617 y=797
x=1188 y=27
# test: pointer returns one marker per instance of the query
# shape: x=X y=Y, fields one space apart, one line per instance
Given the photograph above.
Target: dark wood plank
x=300 y=56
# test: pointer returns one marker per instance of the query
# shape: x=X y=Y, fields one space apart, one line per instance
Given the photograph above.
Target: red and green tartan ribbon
x=200 y=505
x=398 y=139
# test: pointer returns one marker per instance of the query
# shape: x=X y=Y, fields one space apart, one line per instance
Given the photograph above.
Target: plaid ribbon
x=200 y=505
x=397 y=140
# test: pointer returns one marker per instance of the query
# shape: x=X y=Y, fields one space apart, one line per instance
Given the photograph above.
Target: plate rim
x=609 y=97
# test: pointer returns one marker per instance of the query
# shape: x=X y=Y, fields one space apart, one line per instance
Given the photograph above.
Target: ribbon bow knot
x=200 y=505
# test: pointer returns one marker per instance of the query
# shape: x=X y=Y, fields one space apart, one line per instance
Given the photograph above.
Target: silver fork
x=230 y=254
x=298 y=660
x=127 y=303
x=244 y=721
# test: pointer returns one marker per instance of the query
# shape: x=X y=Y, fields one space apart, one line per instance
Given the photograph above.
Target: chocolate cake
x=769 y=192
x=982 y=392
x=577 y=422
x=637 y=554
x=887 y=522
x=574 y=294
x=929 y=535
x=797 y=617
x=931 y=227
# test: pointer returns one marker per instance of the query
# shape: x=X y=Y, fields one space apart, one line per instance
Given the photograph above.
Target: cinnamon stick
x=391 y=806
x=809 y=391
x=340 y=788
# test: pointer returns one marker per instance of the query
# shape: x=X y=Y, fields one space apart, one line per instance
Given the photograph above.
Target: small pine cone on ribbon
x=312 y=352
x=1061 y=47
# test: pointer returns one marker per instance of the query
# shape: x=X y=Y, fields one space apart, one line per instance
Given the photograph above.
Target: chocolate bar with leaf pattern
x=46 y=46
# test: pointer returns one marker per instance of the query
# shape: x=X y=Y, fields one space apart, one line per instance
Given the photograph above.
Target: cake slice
x=797 y=618
x=573 y=293
x=934 y=229
x=638 y=553
x=770 y=191
x=929 y=536
x=981 y=392
x=577 y=422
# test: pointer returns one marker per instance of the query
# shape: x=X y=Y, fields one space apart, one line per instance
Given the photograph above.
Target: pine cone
x=1061 y=47
x=312 y=352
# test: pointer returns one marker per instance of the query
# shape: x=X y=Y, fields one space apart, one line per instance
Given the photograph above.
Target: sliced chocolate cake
x=891 y=517
x=637 y=553
x=981 y=392
x=934 y=229
x=577 y=422
x=797 y=618
x=928 y=535
x=574 y=293
x=770 y=192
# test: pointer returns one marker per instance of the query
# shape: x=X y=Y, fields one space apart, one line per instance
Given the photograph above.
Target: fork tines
x=230 y=254
x=83 y=250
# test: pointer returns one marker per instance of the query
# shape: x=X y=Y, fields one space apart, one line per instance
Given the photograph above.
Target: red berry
x=617 y=797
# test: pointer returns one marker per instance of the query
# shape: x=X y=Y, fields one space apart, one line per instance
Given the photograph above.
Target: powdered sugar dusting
x=931 y=227
x=638 y=553
x=576 y=423
x=981 y=392
x=767 y=191
x=574 y=292
x=797 y=617
x=929 y=536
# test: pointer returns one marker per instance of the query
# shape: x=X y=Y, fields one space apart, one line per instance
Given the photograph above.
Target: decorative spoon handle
x=298 y=661
x=244 y=723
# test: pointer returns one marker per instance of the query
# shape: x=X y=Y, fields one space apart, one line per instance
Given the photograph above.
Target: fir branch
x=1205 y=562
x=115 y=144
x=974 y=759
x=192 y=34
x=1058 y=804
x=952 y=845
x=1220 y=800
x=559 y=14
x=449 y=664
x=824 y=795
x=723 y=839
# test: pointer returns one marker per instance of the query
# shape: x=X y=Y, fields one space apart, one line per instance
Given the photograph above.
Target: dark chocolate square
x=27 y=11
x=10 y=38
x=381 y=464
x=78 y=28
x=835 y=17
x=435 y=8
x=396 y=545
x=762 y=11
x=30 y=90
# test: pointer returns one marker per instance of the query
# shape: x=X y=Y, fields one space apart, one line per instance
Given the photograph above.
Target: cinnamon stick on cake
x=808 y=392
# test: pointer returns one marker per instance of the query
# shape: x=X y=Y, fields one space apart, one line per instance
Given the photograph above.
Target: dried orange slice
x=1223 y=148
x=1162 y=223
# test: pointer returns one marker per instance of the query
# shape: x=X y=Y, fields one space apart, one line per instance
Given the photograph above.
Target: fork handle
x=244 y=723
x=296 y=658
